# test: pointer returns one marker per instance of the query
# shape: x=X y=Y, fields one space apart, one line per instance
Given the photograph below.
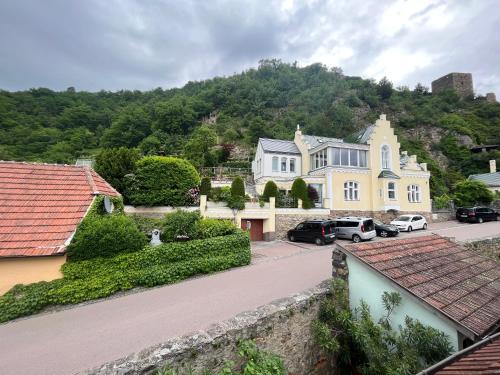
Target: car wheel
x=480 y=220
x=409 y=229
x=319 y=241
x=384 y=233
x=356 y=238
x=425 y=226
x=291 y=238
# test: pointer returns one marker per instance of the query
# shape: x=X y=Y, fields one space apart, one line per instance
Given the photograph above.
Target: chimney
x=493 y=166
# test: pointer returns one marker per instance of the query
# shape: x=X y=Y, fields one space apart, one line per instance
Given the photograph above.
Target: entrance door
x=256 y=228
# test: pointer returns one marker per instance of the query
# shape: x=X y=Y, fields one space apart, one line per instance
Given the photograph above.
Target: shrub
x=179 y=224
x=238 y=187
x=104 y=237
x=236 y=202
x=220 y=194
x=160 y=180
x=205 y=186
x=470 y=192
x=100 y=277
x=146 y=224
x=114 y=163
x=299 y=191
x=270 y=190
x=207 y=228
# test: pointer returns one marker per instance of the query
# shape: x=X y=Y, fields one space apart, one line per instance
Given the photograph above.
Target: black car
x=476 y=214
x=317 y=231
x=385 y=230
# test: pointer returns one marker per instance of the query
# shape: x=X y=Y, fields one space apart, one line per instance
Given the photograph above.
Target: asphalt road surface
x=72 y=340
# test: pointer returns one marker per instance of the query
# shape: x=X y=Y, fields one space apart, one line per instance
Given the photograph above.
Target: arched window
x=391 y=190
x=386 y=157
x=351 y=191
x=413 y=193
x=275 y=164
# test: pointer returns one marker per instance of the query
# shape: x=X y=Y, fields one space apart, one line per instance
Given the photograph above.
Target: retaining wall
x=282 y=327
x=489 y=247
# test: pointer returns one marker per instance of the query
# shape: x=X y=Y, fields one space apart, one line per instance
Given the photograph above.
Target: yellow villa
x=368 y=176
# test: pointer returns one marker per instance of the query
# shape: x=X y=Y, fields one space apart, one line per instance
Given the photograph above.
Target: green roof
x=388 y=174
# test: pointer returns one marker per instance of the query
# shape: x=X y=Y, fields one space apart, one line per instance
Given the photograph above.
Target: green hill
x=43 y=125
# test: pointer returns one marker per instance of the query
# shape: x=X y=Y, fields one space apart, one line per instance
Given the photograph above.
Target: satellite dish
x=108 y=205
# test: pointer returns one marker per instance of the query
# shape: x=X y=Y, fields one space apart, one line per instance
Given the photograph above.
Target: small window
x=413 y=193
x=391 y=190
x=300 y=226
x=275 y=163
x=351 y=191
x=385 y=157
x=292 y=165
x=283 y=164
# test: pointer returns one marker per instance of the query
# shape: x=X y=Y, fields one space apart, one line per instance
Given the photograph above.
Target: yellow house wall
x=425 y=204
x=29 y=270
x=365 y=191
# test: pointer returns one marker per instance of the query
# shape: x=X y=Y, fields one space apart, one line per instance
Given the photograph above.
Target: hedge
x=102 y=277
x=179 y=224
x=161 y=181
x=207 y=228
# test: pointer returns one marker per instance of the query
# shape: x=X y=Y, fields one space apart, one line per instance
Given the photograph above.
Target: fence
x=224 y=173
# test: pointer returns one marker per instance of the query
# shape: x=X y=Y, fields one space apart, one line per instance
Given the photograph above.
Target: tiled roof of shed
x=459 y=283
x=41 y=205
x=482 y=358
x=490 y=179
x=279 y=146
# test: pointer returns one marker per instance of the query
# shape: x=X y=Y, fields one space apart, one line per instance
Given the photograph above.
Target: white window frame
x=385 y=157
x=348 y=163
x=393 y=190
x=283 y=164
x=275 y=164
x=319 y=159
x=351 y=191
x=414 y=193
x=292 y=165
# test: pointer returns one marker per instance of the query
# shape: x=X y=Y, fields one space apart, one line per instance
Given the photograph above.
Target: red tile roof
x=459 y=283
x=482 y=358
x=41 y=205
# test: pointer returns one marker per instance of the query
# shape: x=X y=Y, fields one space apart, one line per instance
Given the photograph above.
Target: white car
x=408 y=223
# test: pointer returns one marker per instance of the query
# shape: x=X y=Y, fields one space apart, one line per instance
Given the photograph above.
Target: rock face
x=282 y=327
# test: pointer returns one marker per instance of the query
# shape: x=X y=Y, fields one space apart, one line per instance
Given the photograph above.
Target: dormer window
x=386 y=156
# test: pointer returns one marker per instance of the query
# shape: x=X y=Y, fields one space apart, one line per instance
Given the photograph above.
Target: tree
x=205 y=186
x=384 y=88
x=238 y=187
x=470 y=193
x=198 y=150
x=270 y=190
x=114 y=163
x=128 y=129
x=161 y=181
x=175 y=116
x=299 y=191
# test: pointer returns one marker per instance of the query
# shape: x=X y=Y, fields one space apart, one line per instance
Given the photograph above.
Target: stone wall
x=461 y=83
x=489 y=247
x=282 y=327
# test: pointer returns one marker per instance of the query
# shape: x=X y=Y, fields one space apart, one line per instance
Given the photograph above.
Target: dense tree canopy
x=43 y=125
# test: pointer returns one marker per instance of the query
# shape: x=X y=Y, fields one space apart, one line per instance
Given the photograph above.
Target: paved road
x=72 y=340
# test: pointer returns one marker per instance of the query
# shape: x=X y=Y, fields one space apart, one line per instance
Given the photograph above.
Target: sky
x=143 y=44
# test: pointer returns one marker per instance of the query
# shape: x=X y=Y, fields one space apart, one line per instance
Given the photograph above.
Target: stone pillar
x=203 y=205
x=339 y=265
x=299 y=203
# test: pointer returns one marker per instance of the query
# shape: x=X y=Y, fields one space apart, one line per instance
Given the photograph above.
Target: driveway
x=75 y=339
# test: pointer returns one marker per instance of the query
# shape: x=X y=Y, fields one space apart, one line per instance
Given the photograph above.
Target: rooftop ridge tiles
x=22 y=163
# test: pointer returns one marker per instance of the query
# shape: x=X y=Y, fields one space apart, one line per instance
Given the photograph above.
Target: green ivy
x=101 y=277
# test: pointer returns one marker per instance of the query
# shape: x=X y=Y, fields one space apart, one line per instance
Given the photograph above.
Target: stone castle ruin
x=461 y=83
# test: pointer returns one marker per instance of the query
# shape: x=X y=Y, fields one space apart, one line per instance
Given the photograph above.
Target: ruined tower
x=461 y=83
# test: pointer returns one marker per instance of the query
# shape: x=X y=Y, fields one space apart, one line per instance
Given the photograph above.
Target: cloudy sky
x=143 y=44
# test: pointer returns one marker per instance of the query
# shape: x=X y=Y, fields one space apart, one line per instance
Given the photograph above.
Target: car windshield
x=403 y=218
x=377 y=222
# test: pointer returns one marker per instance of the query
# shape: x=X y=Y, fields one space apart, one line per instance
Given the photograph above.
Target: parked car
x=476 y=214
x=318 y=231
x=408 y=223
x=385 y=230
x=355 y=228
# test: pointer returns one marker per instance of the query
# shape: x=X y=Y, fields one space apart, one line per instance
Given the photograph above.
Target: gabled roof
x=279 y=146
x=41 y=205
x=315 y=141
x=460 y=284
x=490 y=179
x=482 y=358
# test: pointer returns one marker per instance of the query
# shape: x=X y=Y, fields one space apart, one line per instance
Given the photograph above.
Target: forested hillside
x=43 y=125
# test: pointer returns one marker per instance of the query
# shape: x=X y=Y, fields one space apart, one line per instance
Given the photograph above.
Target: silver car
x=355 y=228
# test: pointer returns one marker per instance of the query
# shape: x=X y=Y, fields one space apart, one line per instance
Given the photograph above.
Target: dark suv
x=476 y=214
x=317 y=231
